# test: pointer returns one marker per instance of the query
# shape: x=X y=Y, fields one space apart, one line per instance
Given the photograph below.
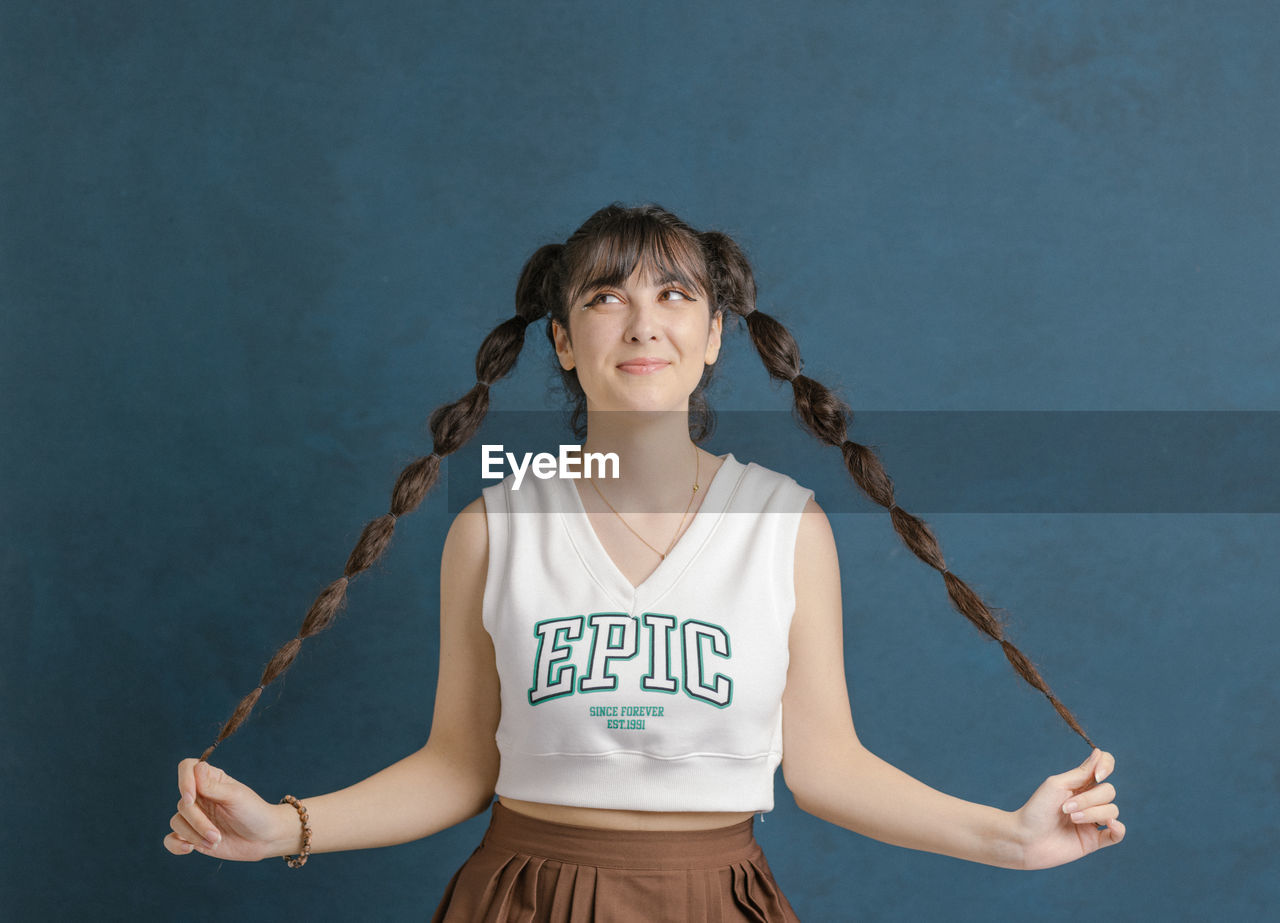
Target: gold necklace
x=661 y=554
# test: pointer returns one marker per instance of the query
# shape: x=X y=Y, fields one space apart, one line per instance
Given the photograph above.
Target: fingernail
x=187 y=798
x=1078 y=816
x=212 y=838
x=1070 y=806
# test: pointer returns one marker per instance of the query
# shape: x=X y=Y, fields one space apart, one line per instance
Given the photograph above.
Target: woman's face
x=641 y=345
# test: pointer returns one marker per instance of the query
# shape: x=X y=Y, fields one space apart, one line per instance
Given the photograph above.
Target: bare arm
x=447 y=781
x=834 y=777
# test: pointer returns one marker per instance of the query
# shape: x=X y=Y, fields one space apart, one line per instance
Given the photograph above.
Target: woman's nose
x=642 y=321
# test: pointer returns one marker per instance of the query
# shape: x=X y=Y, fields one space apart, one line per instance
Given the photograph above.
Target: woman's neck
x=657 y=460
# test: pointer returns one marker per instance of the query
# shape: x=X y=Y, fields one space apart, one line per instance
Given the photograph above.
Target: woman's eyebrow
x=674 y=278
x=598 y=282
x=609 y=282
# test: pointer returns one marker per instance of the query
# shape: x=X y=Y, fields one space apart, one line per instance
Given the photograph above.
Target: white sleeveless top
x=661 y=697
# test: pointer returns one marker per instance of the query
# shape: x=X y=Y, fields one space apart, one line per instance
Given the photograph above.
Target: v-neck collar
x=577 y=523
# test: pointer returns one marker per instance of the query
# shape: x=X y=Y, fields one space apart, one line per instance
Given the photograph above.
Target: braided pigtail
x=827 y=417
x=451 y=425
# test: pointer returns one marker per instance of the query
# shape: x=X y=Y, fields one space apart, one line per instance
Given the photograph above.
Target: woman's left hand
x=1058 y=824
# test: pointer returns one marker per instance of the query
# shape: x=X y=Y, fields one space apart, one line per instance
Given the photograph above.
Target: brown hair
x=605 y=251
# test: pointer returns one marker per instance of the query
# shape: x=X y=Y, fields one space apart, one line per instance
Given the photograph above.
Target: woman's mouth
x=643 y=366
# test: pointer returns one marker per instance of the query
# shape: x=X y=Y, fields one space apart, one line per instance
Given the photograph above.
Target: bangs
x=612 y=254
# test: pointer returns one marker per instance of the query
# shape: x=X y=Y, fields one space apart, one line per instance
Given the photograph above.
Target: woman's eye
x=674 y=294
x=601 y=299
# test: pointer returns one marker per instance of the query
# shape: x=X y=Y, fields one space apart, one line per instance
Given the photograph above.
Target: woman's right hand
x=223 y=818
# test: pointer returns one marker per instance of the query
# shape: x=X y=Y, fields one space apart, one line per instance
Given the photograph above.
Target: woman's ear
x=564 y=349
x=713 y=338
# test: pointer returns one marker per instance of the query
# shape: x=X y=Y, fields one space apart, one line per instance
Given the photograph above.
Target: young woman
x=625 y=661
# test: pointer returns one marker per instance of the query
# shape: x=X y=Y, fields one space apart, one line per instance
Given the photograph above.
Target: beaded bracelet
x=298 y=861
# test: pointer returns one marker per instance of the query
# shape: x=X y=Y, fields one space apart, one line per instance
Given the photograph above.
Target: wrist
x=1012 y=851
x=286 y=835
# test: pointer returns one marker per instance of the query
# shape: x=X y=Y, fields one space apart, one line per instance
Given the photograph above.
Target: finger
x=196 y=777
x=198 y=821
x=209 y=782
x=177 y=845
x=1106 y=763
x=1081 y=775
x=1115 y=830
x=1089 y=798
x=179 y=825
x=1101 y=814
x=187 y=779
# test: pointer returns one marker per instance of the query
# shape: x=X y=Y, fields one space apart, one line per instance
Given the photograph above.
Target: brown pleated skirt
x=530 y=870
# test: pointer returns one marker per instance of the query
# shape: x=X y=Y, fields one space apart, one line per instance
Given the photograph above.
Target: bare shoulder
x=468 y=537
x=814 y=536
x=817 y=570
x=464 y=570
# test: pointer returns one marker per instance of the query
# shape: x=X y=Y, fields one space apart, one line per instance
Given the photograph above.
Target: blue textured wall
x=246 y=247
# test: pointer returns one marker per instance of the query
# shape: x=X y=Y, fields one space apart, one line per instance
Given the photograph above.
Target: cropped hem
x=633 y=781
